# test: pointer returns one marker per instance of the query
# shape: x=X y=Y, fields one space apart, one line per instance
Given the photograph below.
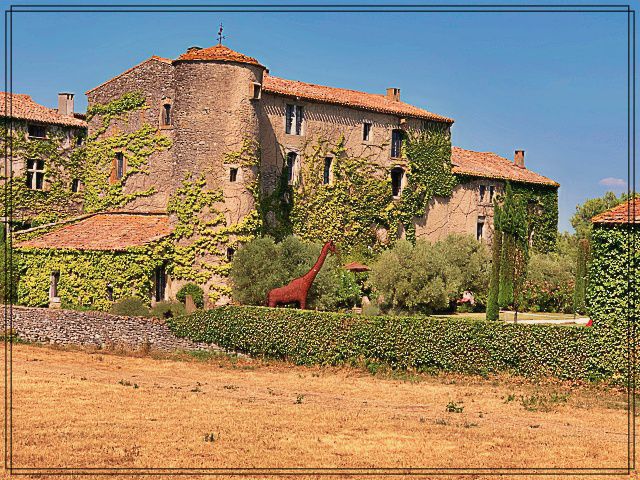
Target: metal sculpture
x=296 y=290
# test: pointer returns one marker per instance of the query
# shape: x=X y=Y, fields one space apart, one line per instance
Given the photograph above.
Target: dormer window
x=294 y=118
x=37 y=131
x=256 y=91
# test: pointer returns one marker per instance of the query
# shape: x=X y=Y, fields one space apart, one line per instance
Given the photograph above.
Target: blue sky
x=553 y=84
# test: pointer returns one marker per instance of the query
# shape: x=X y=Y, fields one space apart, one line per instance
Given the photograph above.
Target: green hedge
x=420 y=343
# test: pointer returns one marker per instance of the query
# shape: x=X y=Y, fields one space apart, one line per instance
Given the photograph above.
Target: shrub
x=168 y=309
x=549 y=283
x=429 y=277
x=195 y=291
x=421 y=343
x=130 y=306
x=263 y=264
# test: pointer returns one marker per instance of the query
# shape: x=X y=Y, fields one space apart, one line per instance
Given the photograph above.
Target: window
x=37 y=131
x=396 y=143
x=397 y=175
x=256 y=90
x=233 y=174
x=483 y=190
x=75 y=185
x=35 y=174
x=492 y=190
x=79 y=140
x=166 y=114
x=480 y=228
x=160 y=283
x=53 y=286
x=294 y=119
x=230 y=253
x=292 y=158
x=326 y=175
x=366 y=131
x=119 y=165
x=110 y=293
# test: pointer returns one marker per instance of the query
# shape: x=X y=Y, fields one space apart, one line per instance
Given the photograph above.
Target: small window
x=53 y=287
x=75 y=185
x=366 y=131
x=397 y=175
x=79 y=140
x=292 y=158
x=482 y=192
x=256 y=91
x=35 y=174
x=233 y=174
x=110 y=293
x=492 y=191
x=166 y=114
x=119 y=165
x=480 y=228
x=294 y=119
x=230 y=253
x=160 y=283
x=396 y=143
x=37 y=131
x=326 y=176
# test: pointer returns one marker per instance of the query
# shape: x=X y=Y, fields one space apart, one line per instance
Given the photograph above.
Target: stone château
x=186 y=159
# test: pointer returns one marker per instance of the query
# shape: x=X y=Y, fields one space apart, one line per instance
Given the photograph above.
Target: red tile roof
x=626 y=212
x=349 y=98
x=490 y=165
x=23 y=107
x=356 y=267
x=154 y=58
x=115 y=231
x=219 y=53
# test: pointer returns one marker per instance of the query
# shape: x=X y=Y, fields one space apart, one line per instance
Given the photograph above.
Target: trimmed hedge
x=420 y=343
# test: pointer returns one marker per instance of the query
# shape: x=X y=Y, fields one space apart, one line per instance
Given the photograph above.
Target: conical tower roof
x=219 y=53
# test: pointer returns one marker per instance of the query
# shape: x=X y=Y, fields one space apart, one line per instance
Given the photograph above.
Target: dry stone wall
x=70 y=327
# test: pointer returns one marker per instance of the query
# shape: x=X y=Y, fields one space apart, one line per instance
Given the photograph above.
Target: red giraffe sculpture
x=297 y=289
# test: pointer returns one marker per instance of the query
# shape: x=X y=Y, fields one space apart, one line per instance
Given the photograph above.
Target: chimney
x=65 y=104
x=518 y=158
x=393 y=94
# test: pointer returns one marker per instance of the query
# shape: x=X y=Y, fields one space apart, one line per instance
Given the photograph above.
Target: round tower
x=217 y=92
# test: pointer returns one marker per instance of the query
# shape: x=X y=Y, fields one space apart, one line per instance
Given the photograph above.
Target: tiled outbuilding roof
x=114 y=231
x=626 y=212
x=348 y=98
x=154 y=58
x=490 y=165
x=23 y=107
x=219 y=53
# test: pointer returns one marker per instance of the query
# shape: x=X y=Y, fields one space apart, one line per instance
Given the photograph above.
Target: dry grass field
x=74 y=408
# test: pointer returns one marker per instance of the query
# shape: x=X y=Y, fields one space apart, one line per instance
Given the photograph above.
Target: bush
x=195 y=291
x=430 y=277
x=263 y=264
x=549 y=283
x=130 y=307
x=168 y=309
x=421 y=343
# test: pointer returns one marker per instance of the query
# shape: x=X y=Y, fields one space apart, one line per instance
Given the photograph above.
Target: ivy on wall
x=357 y=202
x=85 y=277
x=542 y=214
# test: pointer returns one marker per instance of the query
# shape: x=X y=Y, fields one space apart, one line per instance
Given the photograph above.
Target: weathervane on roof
x=220 y=36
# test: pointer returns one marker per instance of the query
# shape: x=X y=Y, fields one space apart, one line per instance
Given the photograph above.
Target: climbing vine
x=128 y=102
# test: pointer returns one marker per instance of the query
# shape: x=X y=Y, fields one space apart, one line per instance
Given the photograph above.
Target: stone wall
x=70 y=327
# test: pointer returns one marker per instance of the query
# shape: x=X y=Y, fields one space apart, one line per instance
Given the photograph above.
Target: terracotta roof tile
x=23 y=107
x=217 y=52
x=350 y=98
x=154 y=58
x=490 y=165
x=626 y=212
x=356 y=267
x=104 y=231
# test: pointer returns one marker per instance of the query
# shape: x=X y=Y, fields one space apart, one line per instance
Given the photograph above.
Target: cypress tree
x=493 y=309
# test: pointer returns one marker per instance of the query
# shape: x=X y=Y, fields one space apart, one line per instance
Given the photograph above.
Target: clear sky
x=553 y=84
